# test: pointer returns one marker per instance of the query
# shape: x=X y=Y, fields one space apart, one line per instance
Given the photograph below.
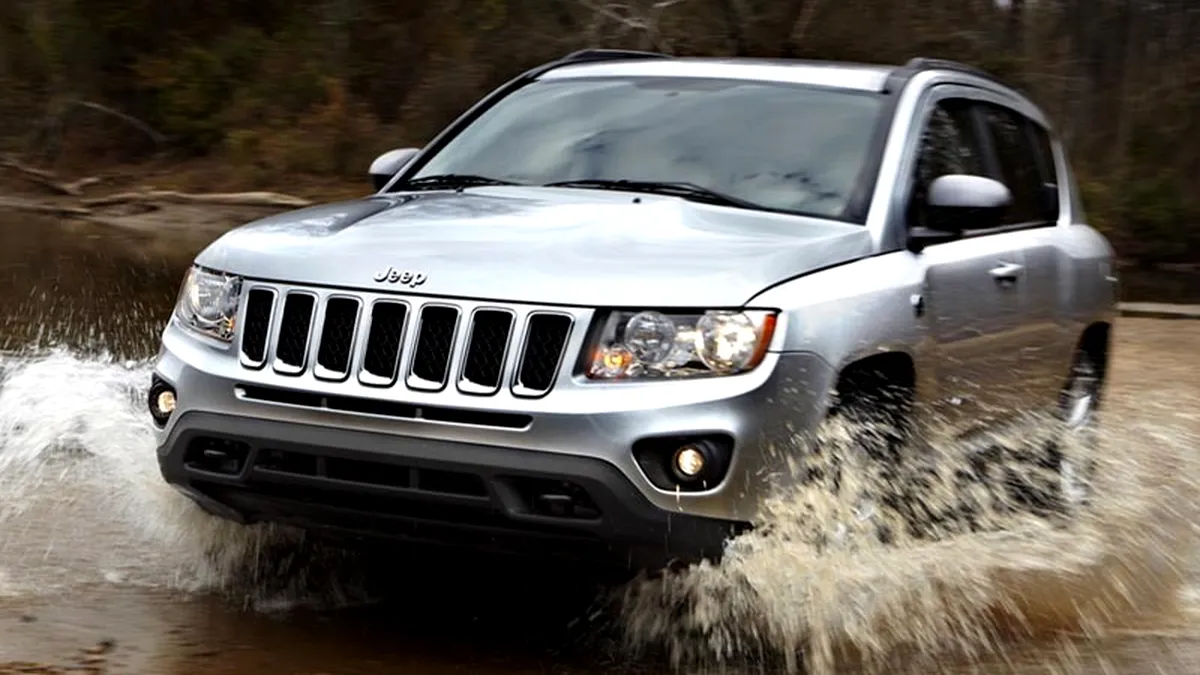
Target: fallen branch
x=270 y=199
x=47 y=179
x=43 y=207
x=26 y=170
x=76 y=187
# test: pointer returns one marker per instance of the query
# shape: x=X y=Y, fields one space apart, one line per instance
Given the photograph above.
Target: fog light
x=161 y=401
x=166 y=402
x=689 y=461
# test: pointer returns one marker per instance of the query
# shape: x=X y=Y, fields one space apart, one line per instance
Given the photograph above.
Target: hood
x=539 y=245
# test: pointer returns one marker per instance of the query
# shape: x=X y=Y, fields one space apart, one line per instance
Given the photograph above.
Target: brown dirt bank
x=170 y=208
x=167 y=207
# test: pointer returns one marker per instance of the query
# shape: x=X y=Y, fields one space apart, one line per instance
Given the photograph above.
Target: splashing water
x=811 y=587
x=77 y=460
x=814 y=585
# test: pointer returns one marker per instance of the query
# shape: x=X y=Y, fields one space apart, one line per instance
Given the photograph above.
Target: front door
x=973 y=287
x=973 y=295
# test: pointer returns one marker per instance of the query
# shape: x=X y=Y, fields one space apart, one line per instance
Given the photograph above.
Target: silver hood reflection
x=540 y=245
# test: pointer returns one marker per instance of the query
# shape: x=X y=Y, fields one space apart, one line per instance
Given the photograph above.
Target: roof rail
x=900 y=76
x=920 y=63
x=609 y=55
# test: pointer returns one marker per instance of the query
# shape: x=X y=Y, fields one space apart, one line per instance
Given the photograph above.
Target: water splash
x=816 y=586
x=813 y=587
x=77 y=460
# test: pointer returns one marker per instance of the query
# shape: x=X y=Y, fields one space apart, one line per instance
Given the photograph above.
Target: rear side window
x=1020 y=165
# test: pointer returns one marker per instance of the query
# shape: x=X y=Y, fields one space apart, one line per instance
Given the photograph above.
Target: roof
x=861 y=77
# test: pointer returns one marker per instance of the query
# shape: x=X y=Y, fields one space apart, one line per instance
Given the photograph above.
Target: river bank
x=163 y=205
x=171 y=208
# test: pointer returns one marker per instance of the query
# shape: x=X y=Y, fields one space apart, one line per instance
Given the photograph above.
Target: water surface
x=101 y=562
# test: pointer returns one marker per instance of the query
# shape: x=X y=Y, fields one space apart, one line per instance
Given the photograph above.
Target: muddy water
x=102 y=566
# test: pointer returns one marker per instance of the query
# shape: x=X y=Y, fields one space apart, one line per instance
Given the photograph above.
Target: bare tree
x=639 y=18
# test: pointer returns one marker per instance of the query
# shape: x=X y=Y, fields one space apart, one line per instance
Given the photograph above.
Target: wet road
x=102 y=566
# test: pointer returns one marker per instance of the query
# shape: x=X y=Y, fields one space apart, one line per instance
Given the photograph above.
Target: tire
x=1079 y=404
x=929 y=500
x=1050 y=475
x=872 y=422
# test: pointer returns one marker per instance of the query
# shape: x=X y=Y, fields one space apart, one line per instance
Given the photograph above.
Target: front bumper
x=367 y=474
x=432 y=491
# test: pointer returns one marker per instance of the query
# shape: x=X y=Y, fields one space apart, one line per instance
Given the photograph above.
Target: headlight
x=208 y=303
x=652 y=344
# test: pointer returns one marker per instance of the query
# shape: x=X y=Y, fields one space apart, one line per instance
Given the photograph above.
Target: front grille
x=545 y=342
x=435 y=345
x=291 y=350
x=260 y=304
x=487 y=347
x=337 y=338
x=398 y=342
x=382 y=355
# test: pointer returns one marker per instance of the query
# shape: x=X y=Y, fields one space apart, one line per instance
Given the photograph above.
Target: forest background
x=300 y=95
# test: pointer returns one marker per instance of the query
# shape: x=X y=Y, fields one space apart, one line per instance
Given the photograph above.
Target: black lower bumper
x=428 y=491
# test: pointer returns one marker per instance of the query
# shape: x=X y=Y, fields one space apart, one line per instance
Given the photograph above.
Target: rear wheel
x=888 y=483
x=1047 y=469
x=1078 y=407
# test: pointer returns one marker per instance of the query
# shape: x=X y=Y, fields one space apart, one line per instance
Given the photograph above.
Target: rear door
x=973 y=286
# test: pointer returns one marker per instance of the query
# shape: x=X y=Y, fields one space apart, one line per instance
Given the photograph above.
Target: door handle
x=1006 y=272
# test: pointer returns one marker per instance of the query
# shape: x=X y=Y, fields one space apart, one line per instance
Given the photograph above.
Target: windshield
x=781 y=146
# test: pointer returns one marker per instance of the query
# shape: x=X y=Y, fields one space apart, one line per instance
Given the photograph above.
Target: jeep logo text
x=407 y=277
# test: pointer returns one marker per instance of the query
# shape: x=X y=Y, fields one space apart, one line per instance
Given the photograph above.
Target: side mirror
x=386 y=165
x=956 y=200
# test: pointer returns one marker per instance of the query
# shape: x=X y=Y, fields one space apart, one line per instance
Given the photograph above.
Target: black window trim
x=983 y=141
x=994 y=160
x=1047 y=164
x=1049 y=172
x=990 y=159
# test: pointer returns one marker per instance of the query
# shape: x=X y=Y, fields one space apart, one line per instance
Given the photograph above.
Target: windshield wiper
x=449 y=181
x=676 y=189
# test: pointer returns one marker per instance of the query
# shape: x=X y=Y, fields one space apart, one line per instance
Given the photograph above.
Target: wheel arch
x=888 y=378
x=1096 y=342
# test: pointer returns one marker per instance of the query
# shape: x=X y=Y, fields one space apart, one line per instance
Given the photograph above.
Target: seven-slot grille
x=392 y=341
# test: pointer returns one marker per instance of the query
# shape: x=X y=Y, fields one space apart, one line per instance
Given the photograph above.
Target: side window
x=1019 y=165
x=949 y=145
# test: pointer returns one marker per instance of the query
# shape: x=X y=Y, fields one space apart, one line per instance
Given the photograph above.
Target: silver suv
x=586 y=317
